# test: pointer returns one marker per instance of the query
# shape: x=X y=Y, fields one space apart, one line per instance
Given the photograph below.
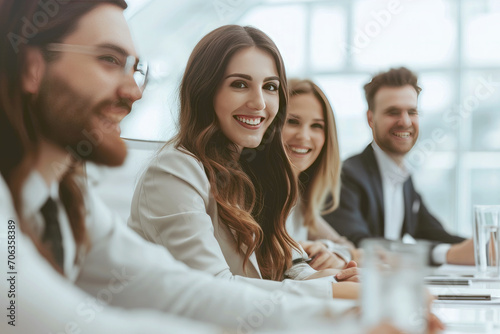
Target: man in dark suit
x=377 y=197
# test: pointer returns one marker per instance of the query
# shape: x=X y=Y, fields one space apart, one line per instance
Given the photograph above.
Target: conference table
x=460 y=316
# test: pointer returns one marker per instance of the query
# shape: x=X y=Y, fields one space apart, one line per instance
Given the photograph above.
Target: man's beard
x=73 y=122
x=389 y=146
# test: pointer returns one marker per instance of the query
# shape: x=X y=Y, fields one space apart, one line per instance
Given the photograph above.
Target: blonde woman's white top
x=299 y=232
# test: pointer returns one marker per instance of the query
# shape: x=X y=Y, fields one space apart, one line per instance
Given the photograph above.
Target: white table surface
x=468 y=316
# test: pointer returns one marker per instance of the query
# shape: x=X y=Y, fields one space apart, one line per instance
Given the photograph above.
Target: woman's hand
x=322 y=258
x=350 y=273
x=357 y=256
x=346 y=290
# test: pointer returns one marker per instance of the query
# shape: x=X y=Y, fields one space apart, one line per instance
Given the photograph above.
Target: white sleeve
x=127 y=271
x=36 y=299
x=439 y=253
x=341 y=250
x=299 y=270
x=169 y=208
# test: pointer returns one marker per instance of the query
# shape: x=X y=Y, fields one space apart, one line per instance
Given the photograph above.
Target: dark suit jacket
x=361 y=211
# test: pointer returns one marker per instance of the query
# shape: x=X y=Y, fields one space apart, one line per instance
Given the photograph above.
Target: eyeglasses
x=111 y=55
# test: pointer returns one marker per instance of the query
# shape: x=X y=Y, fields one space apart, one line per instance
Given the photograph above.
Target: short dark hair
x=395 y=77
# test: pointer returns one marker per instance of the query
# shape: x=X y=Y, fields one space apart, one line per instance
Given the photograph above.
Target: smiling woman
x=310 y=138
x=245 y=104
x=233 y=98
x=218 y=195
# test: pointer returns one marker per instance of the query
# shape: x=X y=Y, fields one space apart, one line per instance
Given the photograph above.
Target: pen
x=446 y=282
x=464 y=297
x=310 y=259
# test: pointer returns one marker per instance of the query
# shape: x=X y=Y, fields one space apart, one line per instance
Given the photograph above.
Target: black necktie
x=52 y=234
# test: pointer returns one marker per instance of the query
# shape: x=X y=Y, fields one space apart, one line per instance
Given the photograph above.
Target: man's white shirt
x=393 y=178
x=127 y=285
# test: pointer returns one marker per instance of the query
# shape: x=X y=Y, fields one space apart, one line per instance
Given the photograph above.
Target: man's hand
x=322 y=258
x=461 y=253
x=434 y=326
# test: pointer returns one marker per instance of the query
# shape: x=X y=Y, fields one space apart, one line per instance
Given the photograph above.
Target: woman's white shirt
x=299 y=232
x=295 y=224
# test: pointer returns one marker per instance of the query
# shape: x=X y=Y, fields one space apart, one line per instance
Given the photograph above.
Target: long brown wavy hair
x=256 y=192
x=322 y=179
x=19 y=131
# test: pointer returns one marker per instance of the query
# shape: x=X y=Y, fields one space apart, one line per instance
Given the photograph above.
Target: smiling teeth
x=299 y=150
x=402 y=134
x=111 y=118
x=255 y=121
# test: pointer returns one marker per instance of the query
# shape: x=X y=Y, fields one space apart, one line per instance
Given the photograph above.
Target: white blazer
x=173 y=206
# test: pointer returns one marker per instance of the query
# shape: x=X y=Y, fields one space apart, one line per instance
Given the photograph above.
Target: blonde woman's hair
x=322 y=179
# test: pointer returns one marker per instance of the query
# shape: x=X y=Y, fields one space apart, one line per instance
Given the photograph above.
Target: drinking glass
x=393 y=284
x=486 y=240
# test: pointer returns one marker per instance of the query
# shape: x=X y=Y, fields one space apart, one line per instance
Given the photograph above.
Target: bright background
x=454 y=46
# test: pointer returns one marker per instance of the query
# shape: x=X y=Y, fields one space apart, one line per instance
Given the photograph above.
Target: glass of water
x=486 y=240
x=393 y=284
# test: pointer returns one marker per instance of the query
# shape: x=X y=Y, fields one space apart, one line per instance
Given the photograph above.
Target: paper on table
x=455 y=269
x=493 y=301
x=450 y=271
x=438 y=290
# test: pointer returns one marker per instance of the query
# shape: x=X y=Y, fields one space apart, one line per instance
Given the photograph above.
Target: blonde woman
x=310 y=139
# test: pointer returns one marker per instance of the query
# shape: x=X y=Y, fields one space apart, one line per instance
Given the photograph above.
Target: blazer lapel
x=409 y=208
x=252 y=263
x=253 y=260
x=376 y=180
